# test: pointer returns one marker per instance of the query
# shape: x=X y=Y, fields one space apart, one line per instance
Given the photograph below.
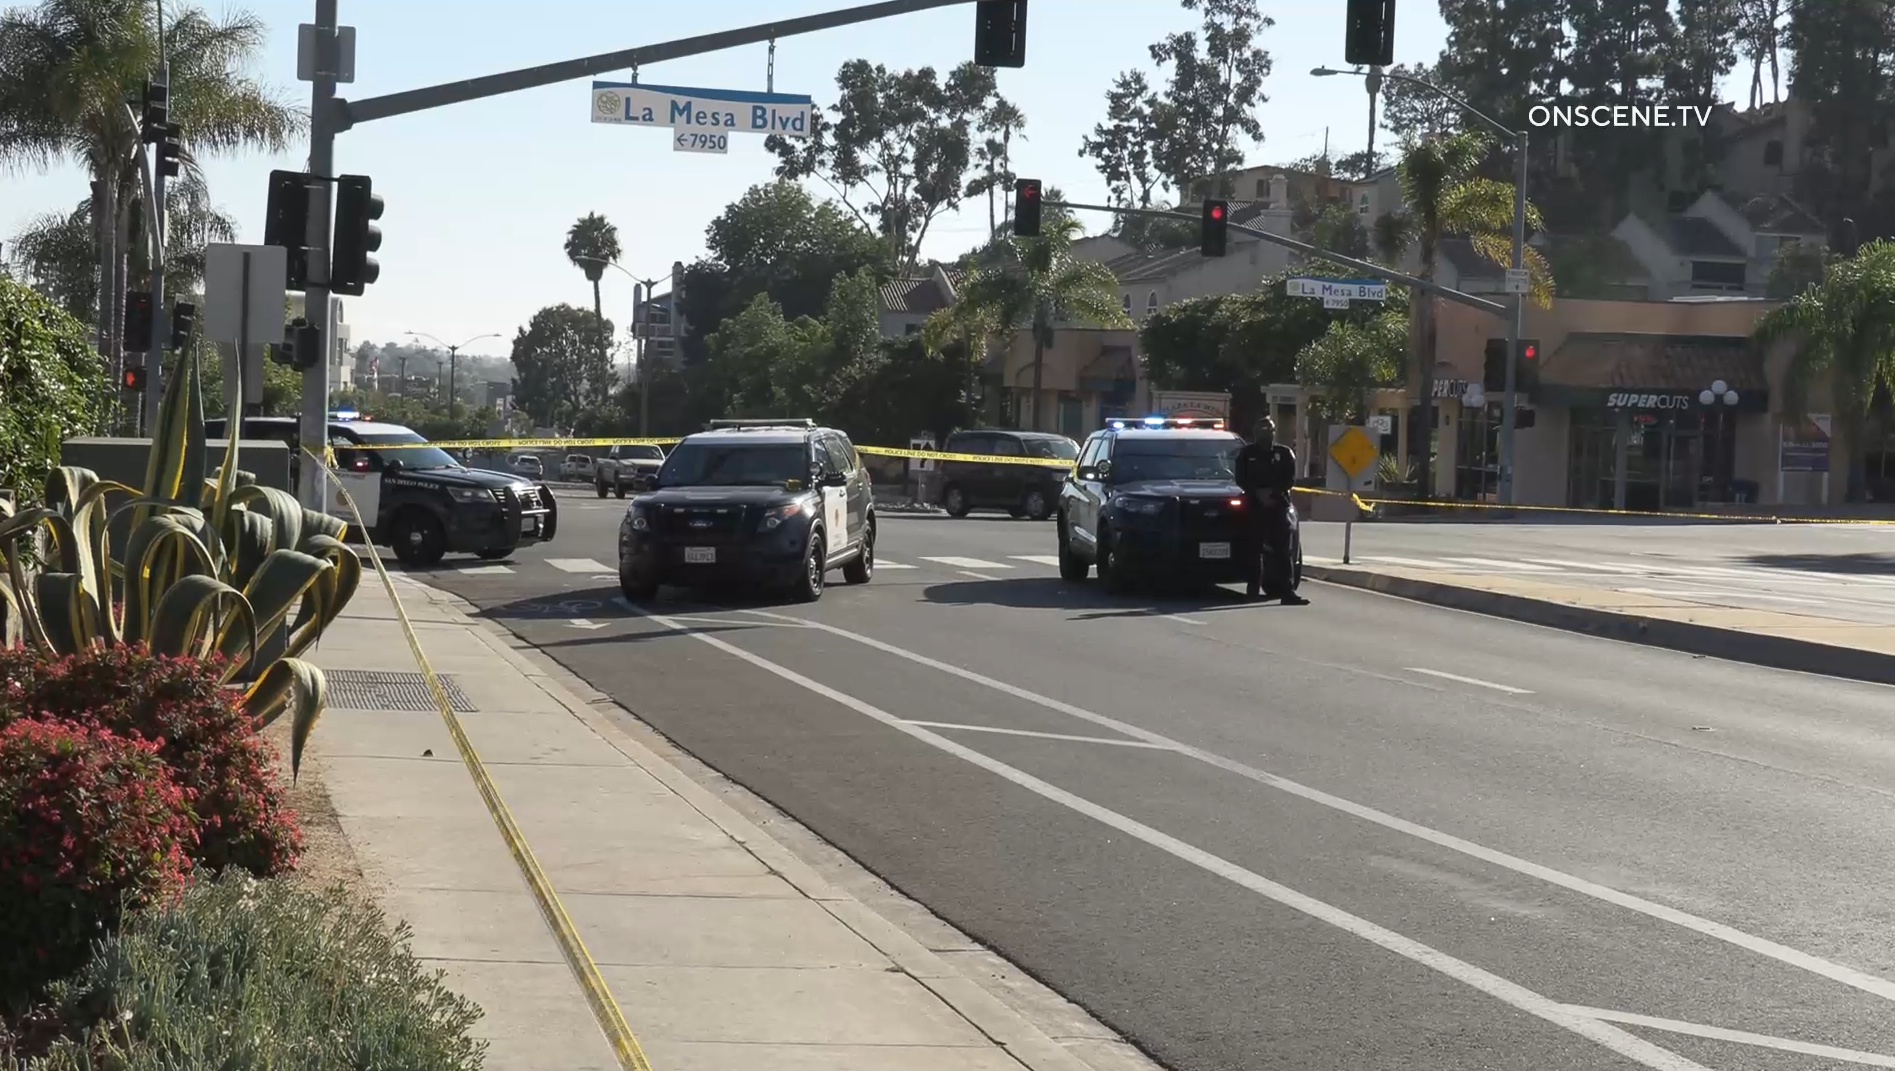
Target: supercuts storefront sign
x=1649 y=400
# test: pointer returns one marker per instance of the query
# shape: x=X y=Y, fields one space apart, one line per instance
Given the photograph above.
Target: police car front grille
x=700 y=522
x=530 y=499
x=1208 y=514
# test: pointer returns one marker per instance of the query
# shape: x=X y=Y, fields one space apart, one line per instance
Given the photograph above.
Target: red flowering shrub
x=211 y=745
x=90 y=822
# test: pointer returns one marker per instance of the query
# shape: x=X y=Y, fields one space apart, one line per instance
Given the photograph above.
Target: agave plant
x=213 y=564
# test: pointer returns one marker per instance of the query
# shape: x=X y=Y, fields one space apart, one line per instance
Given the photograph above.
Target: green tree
x=48 y=387
x=1000 y=123
x=1351 y=360
x=1843 y=329
x=1410 y=112
x=767 y=365
x=592 y=243
x=1120 y=147
x=1840 y=66
x=560 y=364
x=1759 y=37
x=1796 y=269
x=1447 y=196
x=66 y=67
x=1029 y=283
x=898 y=152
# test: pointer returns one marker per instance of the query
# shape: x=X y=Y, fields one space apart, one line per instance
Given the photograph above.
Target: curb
x=1005 y=1027
x=1775 y=652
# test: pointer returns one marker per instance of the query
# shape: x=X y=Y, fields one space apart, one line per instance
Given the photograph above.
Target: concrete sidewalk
x=725 y=951
x=1802 y=641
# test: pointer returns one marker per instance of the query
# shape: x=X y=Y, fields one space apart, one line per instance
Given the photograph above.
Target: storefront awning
x=1614 y=370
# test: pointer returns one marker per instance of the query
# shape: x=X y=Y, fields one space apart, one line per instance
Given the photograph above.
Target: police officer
x=1266 y=471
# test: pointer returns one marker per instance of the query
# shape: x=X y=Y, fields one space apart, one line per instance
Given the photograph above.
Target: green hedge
x=249 y=975
x=51 y=385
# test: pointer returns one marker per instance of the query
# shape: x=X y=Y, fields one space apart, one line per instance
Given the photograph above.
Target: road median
x=1780 y=640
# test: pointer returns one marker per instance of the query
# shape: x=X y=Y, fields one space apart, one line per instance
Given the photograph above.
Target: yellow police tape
x=611 y=1019
x=882 y=451
x=1367 y=505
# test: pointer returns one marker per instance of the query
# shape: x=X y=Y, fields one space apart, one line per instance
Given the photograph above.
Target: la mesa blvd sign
x=701 y=111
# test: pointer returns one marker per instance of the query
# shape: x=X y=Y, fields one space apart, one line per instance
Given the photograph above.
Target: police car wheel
x=636 y=588
x=809 y=584
x=1112 y=568
x=862 y=569
x=1071 y=566
x=418 y=539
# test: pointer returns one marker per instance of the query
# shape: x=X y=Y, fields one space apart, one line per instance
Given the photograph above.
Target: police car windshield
x=734 y=465
x=419 y=457
x=1061 y=449
x=1174 y=459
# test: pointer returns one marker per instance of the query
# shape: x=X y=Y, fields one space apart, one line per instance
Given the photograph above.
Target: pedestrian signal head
x=1026 y=208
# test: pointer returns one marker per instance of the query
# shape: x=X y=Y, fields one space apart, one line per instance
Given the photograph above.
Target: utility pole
x=160 y=322
x=1515 y=319
x=641 y=332
x=322 y=152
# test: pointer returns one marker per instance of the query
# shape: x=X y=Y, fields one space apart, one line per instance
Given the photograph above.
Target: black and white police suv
x=422 y=502
x=1157 y=500
x=761 y=504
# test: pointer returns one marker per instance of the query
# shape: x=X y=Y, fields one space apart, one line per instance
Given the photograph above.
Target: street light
x=1515 y=321
x=641 y=294
x=452 y=353
x=1720 y=392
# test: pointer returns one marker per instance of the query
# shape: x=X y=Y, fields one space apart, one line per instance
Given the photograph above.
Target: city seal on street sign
x=719 y=111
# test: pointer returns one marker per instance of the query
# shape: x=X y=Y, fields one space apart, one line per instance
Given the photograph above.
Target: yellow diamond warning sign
x=1353 y=451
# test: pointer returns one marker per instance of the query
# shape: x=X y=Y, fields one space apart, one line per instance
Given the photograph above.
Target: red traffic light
x=135 y=378
x=1217 y=211
x=1529 y=351
x=1030 y=191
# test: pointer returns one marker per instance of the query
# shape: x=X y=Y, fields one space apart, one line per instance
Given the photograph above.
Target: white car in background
x=527 y=465
x=577 y=468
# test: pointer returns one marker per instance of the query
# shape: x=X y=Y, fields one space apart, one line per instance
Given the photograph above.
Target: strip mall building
x=1618 y=417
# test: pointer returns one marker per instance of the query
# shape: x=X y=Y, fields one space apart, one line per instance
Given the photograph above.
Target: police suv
x=764 y=504
x=422 y=502
x=1158 y=500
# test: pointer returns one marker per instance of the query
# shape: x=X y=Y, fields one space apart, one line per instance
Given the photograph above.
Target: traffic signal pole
x=322 y=152
x=160 y=320
x=1515 y=320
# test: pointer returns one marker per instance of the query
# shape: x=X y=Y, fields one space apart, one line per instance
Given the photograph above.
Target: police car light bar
x=1157 y=422
x=780 y=422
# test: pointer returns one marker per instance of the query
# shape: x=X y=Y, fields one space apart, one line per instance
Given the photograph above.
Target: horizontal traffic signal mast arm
x=349 y=113
x=1388 y=274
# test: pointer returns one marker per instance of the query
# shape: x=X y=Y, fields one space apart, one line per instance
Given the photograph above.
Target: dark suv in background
x=1006 y=484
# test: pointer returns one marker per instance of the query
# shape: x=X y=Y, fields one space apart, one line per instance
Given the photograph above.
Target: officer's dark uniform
x=1266 y=474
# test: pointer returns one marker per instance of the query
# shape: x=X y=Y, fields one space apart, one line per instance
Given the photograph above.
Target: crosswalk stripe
x=1496 y=563
x=1036 y=559
x=578 y=565
x=966 y=563
x=1417 y=563
x=884 y=563
x=1587 y=567
x=486 y=570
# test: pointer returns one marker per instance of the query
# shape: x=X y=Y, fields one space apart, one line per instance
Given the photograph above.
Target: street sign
x=1346 y=289
x=1353 y=451
x=713 y=111
x=227 y=288
x=1518 y=282
x=1382 y=424
x=699 y=141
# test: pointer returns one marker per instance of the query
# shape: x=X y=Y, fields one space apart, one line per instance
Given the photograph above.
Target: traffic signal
x=134 y=378
x=357 y=207
x=170 y=149
x=1216 y=227
x=1526 y=375
x=302 y=345
x=1370 y=38
x=1000 y=33
x=1026 y=208
x=286 y=223
x=157 y=113
x=138 y=321
x=183 y=322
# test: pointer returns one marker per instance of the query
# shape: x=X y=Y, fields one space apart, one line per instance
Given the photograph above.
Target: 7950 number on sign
x=699 y=141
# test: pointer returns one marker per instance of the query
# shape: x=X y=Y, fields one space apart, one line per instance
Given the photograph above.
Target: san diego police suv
x=761 y=504
x=1158 y=500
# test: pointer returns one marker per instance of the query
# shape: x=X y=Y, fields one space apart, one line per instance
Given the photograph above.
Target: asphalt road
x=1839 y=571
x=1364 y=834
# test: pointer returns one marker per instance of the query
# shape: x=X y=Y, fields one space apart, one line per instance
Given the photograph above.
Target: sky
x=479 y=195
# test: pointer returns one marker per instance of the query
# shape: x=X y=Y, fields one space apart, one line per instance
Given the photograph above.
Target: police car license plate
x=1213 y=550
x=700 y=555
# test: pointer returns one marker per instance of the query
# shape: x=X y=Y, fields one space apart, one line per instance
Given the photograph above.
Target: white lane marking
x=580 y=622
x=1517 y=996
x=1029 y=732
x=1508 y=688
x=1183 y=620
x=1037 y=559
x=1499 y=563
x=1741 y=1037
x=485 y=570
x=979 y=576
x=1762 y=946
x=1585 y=567
x=1418 y=563
x=578 y=565
x=883 y=563
x=967 y=563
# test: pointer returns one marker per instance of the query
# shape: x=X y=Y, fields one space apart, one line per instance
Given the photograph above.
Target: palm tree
x=591 y=244
x=1446 y=196
x=66 y=67
x=1844 y=329
x=1029 y=283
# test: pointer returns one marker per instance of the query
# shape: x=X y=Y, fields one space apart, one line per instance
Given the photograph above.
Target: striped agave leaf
x=212 y=563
